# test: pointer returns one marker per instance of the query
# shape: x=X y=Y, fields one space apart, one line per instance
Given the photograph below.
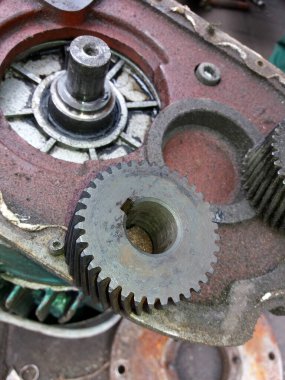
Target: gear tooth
x=141 y=306
x=92 y=185
x=211 y=270
x=170 y=301
x=89 y=269
x=115 y=299
x=164 y=170
x=205 y=279
x=103 y=291
x=81 y=275
x=99 y=177
x=185 y=181
x=264 y=167
x=85 y=194
x=193 y=188
x=128 y=303
x=197 y=288
x=78 y=217
x=185 y=297
x=80 y=206
x=217 y=248
x=157 y=304
x=175 y=175
x=92 y=279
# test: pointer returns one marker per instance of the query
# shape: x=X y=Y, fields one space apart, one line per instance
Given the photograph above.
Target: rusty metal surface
x=249 y=84
x=138 y=353
x=153 y=355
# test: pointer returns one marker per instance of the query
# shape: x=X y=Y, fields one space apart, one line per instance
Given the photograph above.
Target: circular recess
x=208 y=74
x=23 y=102
x=207 y=142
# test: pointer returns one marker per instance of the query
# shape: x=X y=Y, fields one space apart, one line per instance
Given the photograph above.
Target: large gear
x=264 y=177
x=106 y=263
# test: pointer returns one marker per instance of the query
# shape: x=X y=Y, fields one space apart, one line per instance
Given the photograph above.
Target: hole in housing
x=271 y=355
x=208 y=74
x=153 y=222
x=121 y=369
x=236 y=359
x=206 y=141
x=56 y=244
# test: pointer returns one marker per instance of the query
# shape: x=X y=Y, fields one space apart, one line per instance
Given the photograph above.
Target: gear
x=264 y=177
x=107 y=264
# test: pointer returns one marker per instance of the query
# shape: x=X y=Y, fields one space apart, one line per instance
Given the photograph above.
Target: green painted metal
x=15 y=264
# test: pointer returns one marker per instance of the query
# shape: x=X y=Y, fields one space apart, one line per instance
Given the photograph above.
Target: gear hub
x=109 y=265
x=264 y=177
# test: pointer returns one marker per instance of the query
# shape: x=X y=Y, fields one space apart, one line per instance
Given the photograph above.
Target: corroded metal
x=142 y=354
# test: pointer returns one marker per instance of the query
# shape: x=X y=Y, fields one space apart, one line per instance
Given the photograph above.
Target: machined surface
x=88 y=65
x=109 y=267
x=194 y=115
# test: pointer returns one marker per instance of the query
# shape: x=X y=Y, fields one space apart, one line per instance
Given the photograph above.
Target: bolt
x=30 y=372
x=87 y=68
x=208 y=74
x=56 y=247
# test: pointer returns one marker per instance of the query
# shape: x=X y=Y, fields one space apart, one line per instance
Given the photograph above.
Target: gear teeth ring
x=264 y=178
x=110 y=268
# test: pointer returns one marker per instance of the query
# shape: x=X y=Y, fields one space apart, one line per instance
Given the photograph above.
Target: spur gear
x=110 y=267
x=264 y=177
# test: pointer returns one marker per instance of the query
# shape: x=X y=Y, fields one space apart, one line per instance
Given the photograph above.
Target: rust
x=191 y=153
x=258 y=359
x=144 y=354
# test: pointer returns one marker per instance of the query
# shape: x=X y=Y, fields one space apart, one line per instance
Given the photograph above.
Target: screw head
x=56 y=247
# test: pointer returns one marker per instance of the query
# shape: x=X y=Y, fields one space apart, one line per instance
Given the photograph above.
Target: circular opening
x=90 y=50
x=29 y=372
x=236 y=359
x=121 y=369
x=260 y=63
x=209 y=72
x=56 y=244
x=150 y=225
x=271 y=355
x=201 y=145
x=196 y=361
x=206 y=159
